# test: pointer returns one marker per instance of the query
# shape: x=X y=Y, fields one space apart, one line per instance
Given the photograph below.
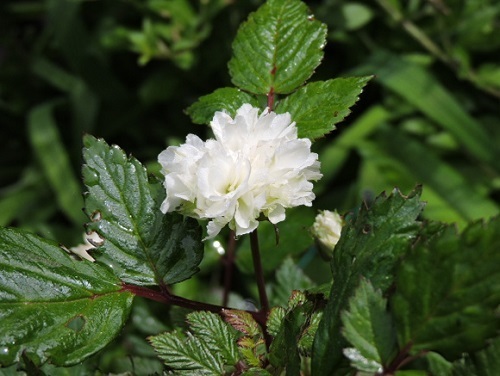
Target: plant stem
x=167 y=298
x=270 y=99
x=228 y=266
x=259 y=274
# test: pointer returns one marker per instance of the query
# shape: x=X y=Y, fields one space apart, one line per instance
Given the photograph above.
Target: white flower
x=90 y=242
x=255 y=165
x=326 y=229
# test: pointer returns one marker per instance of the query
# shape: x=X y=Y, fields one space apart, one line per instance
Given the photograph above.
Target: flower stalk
x=259 y=273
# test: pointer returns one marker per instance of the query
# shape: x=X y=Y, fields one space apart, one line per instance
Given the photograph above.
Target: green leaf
x=218 y=336
x=372 y=241
x=141 y=245
x=53 y=157
x=369 y=329
x=210 y=345
x=53 y=307
x=289 y=277
x=187 y=355
x=294 y=329
x=277 y=49
x=284 y=351
x=318 y=106
x=482 y=363
x=448 y=291
x=225 y=99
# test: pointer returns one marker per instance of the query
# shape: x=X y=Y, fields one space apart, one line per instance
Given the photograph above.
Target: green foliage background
x=125 y=71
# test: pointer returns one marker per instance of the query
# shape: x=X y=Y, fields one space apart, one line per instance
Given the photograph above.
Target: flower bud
x=326 y=231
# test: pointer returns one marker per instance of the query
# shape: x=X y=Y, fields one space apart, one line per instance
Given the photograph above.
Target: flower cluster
x=255 y=166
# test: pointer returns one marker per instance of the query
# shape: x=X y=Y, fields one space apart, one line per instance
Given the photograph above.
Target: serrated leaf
x=371 y=243
x=53 y=307
x=142 y=245
x=242 y=321
x=252 y=350
x=289 y=277
x=277 y=49
x=186 y=355
x=369 y=328
x=218 y=335
x=318 y=106
x=226 y=99
x=284 y=350
x=448 y=291
x=274 y=320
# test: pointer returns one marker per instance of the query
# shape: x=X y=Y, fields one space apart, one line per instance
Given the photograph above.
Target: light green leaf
x=219 y=337
x=141 y=245
x=277 y=49
x=369 y=328
x=453 y=308
x=187 y=355
x=318 y=106
x=53 y=307
x=53 y=157
x=225 y=99
x=372 y=241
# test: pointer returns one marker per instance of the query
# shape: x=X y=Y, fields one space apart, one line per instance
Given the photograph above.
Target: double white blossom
x=256 y=165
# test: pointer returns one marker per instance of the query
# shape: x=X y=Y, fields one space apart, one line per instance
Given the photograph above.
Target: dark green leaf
x=284 y=351
x=318 y=106
x=53 y=307
x=294 y=329
x=452 y=308
x=369 y=329
x=225 y=99
x=277 y=49
x=142 y=245
x=371 y=242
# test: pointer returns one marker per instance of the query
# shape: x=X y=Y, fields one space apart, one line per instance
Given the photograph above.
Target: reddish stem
x=259 y=273
x=270 y=99
x=167 y=298
x=229 y=266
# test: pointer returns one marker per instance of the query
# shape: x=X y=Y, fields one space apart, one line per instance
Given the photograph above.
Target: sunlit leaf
x=277 y=49
x=141 y=244
x=53 y=307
